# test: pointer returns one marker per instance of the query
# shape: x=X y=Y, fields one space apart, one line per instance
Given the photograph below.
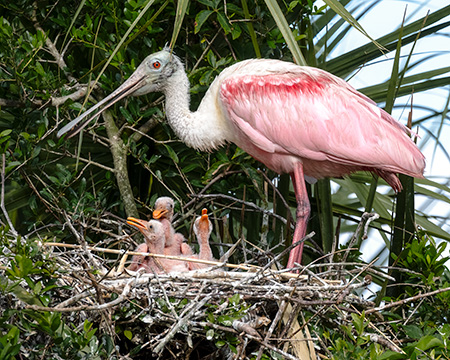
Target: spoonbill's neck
x=155 y=246
x=205 y=129
x=203 y=240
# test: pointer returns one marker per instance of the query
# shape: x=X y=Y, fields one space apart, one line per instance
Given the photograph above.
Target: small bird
x=175 y=245
x=153 y=232
x=202 y=229
x=294 y=119
x=141 y=261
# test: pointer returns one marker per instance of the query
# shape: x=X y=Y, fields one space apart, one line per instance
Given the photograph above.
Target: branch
x=120 y=298
x=2 y=200
x=119 y=154
x=246 y=203
x=51 y=47
x=407 y=300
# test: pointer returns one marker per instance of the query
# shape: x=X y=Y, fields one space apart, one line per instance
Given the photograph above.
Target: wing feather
x=314 y=115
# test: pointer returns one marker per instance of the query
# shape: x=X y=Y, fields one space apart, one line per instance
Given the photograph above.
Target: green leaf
x=200 y=19
x=413 y=331
x=173 y=155
x=342 y=12
x=126 y=114
x=180 y=12
x=223 y=22
x=235 y=299
x=5 y=132
x=236 y=31
x=128 y=334
x=208 y=3
x=285 y=29
x=428 y=342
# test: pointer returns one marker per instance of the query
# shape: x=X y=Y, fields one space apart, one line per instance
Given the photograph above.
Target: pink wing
x=315 y=116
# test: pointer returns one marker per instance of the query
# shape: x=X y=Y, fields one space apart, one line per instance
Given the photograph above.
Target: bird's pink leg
x=302 y=214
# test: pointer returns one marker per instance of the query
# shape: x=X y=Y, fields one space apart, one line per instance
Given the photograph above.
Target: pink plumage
x=295 y=119
x=318 y=119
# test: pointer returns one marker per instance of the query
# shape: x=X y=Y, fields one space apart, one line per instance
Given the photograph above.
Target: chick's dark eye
x=156 y=64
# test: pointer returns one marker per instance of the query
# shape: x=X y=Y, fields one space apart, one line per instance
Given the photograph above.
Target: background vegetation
x=57 y=58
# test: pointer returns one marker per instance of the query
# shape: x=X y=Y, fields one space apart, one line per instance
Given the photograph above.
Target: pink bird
x=153 y=232
x=174 y=244
x=202 y=230
x=295 y=119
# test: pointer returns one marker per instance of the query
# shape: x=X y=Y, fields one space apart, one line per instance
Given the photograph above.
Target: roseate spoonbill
x=153 y=232
x=174 y=244
x=202 y=229
x=140 y=261
x=294 y=119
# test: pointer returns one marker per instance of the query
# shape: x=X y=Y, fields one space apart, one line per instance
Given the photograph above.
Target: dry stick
x=382 y=341
x=285 y=251
x=166 y=297
x=357 y=264
x=184 y=317
x=247 y=267
x=313 y=263
x=226 y=278
x=251 y=337
x=273 y=348
x=189 y=204
x=275 y=321
x=111 y=304
x=75 y=298
x=246 y=203
x=366 y=219
x=347 y=286
x=386 y=340
x=414 y=311
x=224 y=258
x=81 y=240
x=404 y=301
x=87 y=161
x=2 y=200
x=370 y=323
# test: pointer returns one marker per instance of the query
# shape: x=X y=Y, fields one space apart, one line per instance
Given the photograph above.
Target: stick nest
x=211 y=313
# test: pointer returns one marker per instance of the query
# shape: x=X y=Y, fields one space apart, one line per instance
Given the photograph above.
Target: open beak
x=159 y=213
x=204 y=220
x=135 y=82
x=140 y=224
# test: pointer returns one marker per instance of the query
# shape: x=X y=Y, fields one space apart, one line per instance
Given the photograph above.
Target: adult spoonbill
x=294 y=119
x=174 y=244
x=153 y=232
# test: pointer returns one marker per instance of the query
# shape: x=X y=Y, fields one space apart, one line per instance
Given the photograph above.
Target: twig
x=407 y=300
x=111 y=304
x=184 y=318
x=247 y=267
x=275 y=321
x=82 y=241
x=366 y=219
x=382 y=341
x=246 y=203
x=2 y=200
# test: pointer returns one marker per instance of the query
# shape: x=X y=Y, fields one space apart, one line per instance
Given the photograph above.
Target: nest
x=228 y=311
x=211 y=313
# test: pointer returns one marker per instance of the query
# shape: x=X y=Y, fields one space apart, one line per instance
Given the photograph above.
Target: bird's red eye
x=156 y=65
